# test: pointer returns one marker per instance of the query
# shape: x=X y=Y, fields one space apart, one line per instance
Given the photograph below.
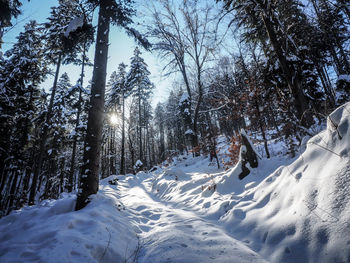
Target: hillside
x=286 y=210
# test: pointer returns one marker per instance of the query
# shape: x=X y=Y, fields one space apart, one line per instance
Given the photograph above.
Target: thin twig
x=326 y=149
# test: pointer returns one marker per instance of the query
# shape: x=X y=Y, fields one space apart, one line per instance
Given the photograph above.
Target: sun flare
x=113 y=119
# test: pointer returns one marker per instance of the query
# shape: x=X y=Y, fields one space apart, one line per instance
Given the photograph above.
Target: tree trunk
x=300 y=103
x=112 y=161
x=62 y=175
x=70 y=185
x=12 y=191
x=196 y=111
x=42 y=148
x=248 y=155
x=132 y=151
x=140 y=130
x=262 y=129
x=92 y=152
x=122 y=157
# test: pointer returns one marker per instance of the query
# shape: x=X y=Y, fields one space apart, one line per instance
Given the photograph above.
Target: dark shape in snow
x=248 y=155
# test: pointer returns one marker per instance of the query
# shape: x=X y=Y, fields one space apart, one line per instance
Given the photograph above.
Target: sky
x=120 y=50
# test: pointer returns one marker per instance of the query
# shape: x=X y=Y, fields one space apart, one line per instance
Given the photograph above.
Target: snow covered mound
x=286 y=210
x=52 y=232
x=301 y=212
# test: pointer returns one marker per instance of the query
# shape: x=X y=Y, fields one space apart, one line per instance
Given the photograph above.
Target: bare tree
x=185 y=36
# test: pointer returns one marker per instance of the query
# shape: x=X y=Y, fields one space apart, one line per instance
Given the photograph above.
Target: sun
x=113 y=118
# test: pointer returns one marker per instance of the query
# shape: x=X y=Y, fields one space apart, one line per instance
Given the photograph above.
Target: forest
x=273 y=68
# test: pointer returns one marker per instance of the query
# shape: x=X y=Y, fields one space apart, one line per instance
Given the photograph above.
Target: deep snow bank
x=288 y=213
x=301 y=212
x=52 y=232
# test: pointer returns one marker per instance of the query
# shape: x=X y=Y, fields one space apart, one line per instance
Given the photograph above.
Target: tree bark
x=262 y=129
x=140 y=129
x=300 y=103
x=92 y=152
x=122 y=157
x=247 y=156
x=42 y=148
x=71 y=183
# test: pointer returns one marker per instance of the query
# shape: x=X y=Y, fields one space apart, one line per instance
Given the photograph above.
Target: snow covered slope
x=299 y=213
x=284 y=211
x=52 y=232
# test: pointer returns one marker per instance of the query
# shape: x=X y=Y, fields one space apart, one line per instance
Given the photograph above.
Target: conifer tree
x=118 y=13
x=55 y=29
x=141 y=88
x=22 y=72
x=119 y=91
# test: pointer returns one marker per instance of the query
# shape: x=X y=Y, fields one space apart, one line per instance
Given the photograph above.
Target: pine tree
x=22 y=72
x=141 y=88
x=55 y=33
x=58 y=139
x=119 y=91
x=275 y=21
x=119 y=13
x=8 y=9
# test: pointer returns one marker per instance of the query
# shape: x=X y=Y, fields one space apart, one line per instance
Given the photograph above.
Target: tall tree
x=8 y=9
x=21 y=73
x=119 y=13
x=119 y=91
x=59 y=21
x=184 y=34
x=141 y=88
x=275 y=20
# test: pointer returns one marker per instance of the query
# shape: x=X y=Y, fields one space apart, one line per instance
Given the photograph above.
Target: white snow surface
x=73 y=25
x=183 y=98
x=344 y=77
x=284 y=211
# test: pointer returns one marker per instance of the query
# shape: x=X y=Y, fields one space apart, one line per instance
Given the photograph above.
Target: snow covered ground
x=285 y=211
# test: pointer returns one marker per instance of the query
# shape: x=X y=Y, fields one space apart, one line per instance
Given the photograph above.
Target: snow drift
x=301 y=212
x=53 y=232
x=290 y=213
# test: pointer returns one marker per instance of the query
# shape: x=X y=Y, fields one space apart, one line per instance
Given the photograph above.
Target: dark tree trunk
x=62 y=173
x=42 y=148
x=261 y=125
x=247 y=156
x=290 y=74
x=12 y=191
x=131 y=148
x=140 y=131
x=92 y=152
x=112 y=159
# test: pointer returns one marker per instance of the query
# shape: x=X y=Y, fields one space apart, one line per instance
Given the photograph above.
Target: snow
x=345 y=78
x=183 y=98
x=286 y=210
x=74 y=25
x=73 y=133
x=138 y=163
x=188 y=132
x=51 y=232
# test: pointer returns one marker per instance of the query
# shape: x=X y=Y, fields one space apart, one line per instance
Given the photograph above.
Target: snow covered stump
x=138 y=166
x=247 y=155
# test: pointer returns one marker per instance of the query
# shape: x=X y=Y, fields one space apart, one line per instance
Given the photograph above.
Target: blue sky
x=120 y=49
